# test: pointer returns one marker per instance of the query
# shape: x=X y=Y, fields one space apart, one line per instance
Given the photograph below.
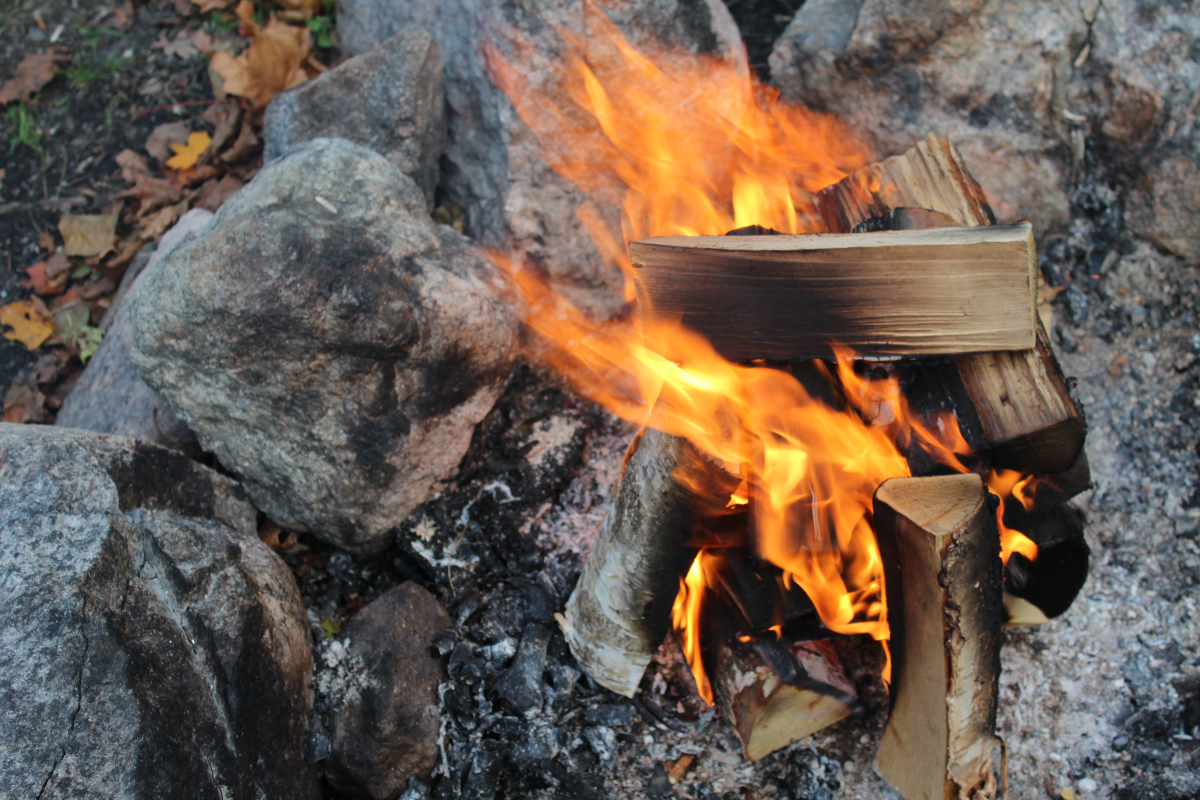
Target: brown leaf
x=95 y=289
x=275 y=61
x=182 y=46
x=214 y=193
x=125 y=253
x=133 y=166
x=153 y=193
x=58 y=264
x=246 y=145
x=34 y=72
x=297 y=10
x=24 y=404
x=225 y=116
x=162 y=137
x=200 y=174
x=156 y=225
x=40 y=283
x=211 y=5
x=46 y=240
x=122 y=15
x=183 y=8
x=69 y=299
x=203 y=41
x=87 y=235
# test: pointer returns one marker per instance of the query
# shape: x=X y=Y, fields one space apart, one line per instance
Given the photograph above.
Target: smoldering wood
x=1048 y=494
x=789 y=297
x=761 y=595
x=1037 y=591
x=772 y=692
x=621 y=608
x=941 y=554
x=1021 y=402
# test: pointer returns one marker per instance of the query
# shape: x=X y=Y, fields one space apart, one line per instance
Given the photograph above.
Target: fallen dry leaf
x=225 y=116
x=200 y=174
x=23 y=404
x=181 y=47
x=157 y=224
x=153 y=193
x=275 y=61
x=214 y=193
x=297 y=10
x=183 y=8
x=186 y=155
x=87 y=235
x=212 y=5
x=27 y=326
x=40 y=283
x=69 y=299
x=162 y=137
x=57 y=265
x=125 y=253
x=46 y=240
x=245 y=145
x=133 y=166
x=203 y=41
x=122 y=16
x=34 y=72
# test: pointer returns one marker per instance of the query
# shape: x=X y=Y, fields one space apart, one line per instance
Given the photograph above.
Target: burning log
x=789 y=297
x=940 y=548
x=621 y=609
x=1021 y=400
x=1037 y=591
x=770 y=691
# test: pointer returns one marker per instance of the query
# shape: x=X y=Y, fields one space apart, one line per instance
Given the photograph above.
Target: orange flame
x=694 y=145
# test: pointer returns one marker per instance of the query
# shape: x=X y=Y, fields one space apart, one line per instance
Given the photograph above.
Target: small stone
x=521 y=685
x=390 y=99
x=1077 y=304
x=610 y=715
x=387 y=732
x=603 y=742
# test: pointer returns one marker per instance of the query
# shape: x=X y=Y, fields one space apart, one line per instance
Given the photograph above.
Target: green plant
x=117 y=64
x=27 y=130
x=80 y=75
x=322 y=31
x=223 y=22
x=93 y=36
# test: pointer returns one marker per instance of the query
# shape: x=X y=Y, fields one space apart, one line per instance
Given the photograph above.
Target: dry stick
x=941 y=556
x=620 y=610
x=1020 y=399
x=789 y=297
x=772 y=692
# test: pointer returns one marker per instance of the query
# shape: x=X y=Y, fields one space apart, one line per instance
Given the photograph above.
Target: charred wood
x=1024 y=417
x=788 y=297
x=771 y=691
x=941 y=555
x=1036 y=591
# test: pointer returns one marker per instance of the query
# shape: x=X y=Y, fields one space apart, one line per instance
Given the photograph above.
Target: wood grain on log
x=788 y=297
x=621 y=608
x=1021 y=399
x=772 y=692
x=941 y=555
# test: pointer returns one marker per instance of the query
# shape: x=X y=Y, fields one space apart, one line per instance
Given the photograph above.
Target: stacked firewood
x=929 y=282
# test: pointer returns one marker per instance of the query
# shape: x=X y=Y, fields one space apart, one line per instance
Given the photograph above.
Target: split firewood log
x=942 y=570
x=771 y=691
x=620 y=610
x=1020 y=401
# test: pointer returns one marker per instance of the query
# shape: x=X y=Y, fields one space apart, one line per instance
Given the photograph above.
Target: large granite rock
x=1036 y=95
x=385 y=725
x=391 y=99
x=150 y=645
x=493 y=165
x=110 y=396
x=328 y=342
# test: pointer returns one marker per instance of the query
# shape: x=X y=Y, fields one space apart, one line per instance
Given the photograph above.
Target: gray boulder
x=328 y=342
x=110 y=396
x=494 y=165
x=391 y=99
x=384 y=717
x=152 y=646
x=1036 y=95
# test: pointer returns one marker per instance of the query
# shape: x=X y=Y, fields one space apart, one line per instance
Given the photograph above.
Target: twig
x=169 y=106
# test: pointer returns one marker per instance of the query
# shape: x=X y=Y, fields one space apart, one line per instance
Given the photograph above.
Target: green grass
x=27 y=130
x=80 y=75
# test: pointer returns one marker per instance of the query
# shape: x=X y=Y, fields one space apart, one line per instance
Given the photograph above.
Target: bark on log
x=941 y=556
x=1020 y=399
x=621 y=608
x=788 y=297
x=772 y=692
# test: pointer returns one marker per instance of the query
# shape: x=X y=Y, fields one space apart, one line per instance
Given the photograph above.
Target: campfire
x=854 y=424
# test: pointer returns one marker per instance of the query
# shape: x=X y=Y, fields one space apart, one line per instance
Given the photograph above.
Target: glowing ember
x=694 y=145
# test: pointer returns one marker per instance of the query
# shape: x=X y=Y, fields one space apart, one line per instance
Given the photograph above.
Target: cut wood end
x=941 y=510
x=1020 y=613
x=790 y=715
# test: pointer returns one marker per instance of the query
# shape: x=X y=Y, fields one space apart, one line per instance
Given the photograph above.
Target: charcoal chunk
x=521 y=686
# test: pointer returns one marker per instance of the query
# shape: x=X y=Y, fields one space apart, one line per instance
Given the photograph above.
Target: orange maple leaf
x=278 y=58
x=28 y=326
x=186 y=155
